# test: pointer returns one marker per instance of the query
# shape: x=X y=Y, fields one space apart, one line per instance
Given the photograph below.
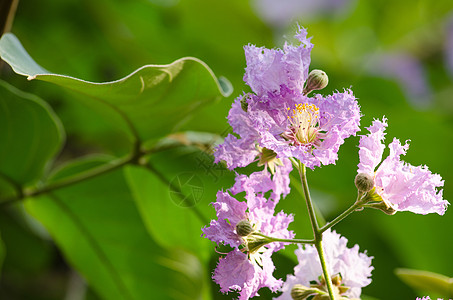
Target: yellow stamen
x=304 y=121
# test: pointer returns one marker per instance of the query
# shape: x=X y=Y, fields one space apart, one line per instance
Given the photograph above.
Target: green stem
x=311 y=210
x=294 y=241
x=131 y=158
x=343 y=215
x=71 y=180
x=316 y=230
x=318 y=245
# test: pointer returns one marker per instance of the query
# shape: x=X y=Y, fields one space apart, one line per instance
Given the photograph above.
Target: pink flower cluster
x=275 y=125
x=244 y=269
x=401 y=186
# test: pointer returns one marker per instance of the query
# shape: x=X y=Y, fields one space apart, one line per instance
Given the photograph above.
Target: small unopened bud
x=254 y=242
x=324 y=296
x=342 y=289
x=383 y=206
x=244 y=228
x=317 y=80
x=337 y=279
x=364 y=182
x=300 y=292
x=244 y=103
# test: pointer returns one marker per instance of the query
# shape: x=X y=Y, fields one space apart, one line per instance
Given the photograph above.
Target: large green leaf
x=154 y=100
x=30 y=135
x=174 y=190
x=172 y=223
x=98 y=228
x=427 y=281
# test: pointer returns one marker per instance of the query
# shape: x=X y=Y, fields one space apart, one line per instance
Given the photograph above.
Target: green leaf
x=427 y=281
x=154 y=100
x=98 y=228
x=168 y=213
x=30 y=135
x=173 y=193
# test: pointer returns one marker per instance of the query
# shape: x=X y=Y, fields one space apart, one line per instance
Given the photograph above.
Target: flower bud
x=244 y=228
x=255 y=241
x=383 y=206
x=301 y=292
x=364 y=182
x=324 y=296
x=337 y=279
x=317 y=80
x=244 y=103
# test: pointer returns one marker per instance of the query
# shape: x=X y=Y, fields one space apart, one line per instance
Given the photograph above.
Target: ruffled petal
x=236 y=272
x=269 y=69
x=371 y=147
x=236 y=152
x=355 y=267
x=409 y=188
x=264 y=181
x=229 y=212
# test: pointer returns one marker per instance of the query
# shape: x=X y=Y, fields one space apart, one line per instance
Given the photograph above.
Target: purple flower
x=275 y=179
x=236 y=272
x=401 y=186
x=269 y=69
x=249 y=266
x=279 y=117
x=309 y=129
x=262 y=182
x=354 y=267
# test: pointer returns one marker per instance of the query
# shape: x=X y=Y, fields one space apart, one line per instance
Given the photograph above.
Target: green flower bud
x=383 y=206
x=321 y=297
x=317 y=80
x=255 y=241
x=364 y=182
x=244 y=104
x=336 y=280
x=342 y=289
x=244 y=228
x=301 y=292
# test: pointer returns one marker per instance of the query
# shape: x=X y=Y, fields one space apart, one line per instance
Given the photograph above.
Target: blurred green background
x=397 y=56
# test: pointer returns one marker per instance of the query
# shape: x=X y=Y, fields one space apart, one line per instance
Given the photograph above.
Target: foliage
x=72 y=154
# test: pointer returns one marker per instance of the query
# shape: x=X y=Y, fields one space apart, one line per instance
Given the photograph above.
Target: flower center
x=303 y=124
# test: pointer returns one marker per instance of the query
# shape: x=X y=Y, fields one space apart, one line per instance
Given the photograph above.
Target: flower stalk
x=356 y=206
x=316 y=230
x=294 y=241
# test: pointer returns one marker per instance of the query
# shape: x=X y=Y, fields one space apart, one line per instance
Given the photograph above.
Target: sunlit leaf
x=97 y=226
x=170 y=215
x=427 y=281
x=173 y=192
x=154 y=100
